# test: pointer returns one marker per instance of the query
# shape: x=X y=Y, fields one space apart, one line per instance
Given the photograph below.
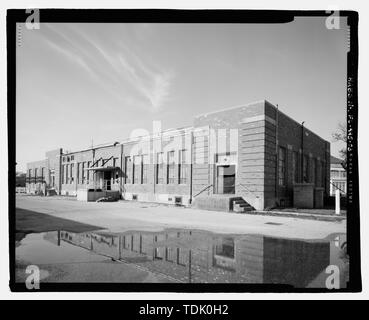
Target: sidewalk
x=123 y=215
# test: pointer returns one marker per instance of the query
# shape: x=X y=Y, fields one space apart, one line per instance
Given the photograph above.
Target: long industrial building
x=236 y=159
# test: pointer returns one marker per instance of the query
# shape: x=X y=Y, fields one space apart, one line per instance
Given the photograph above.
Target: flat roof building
x=240 y=158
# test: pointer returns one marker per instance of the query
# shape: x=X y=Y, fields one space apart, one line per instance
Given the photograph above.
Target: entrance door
x=107 y=179
x=226 y=178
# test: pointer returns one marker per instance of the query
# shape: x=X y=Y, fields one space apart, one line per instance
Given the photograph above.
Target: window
x=71 y=173
x=159 y=168
x=282 y=166
x=295 y=166
x=72 y=158
x=145 y=165
x=323 y=174
x=182 y=167
x=129 y=172
x=66 y=173
x=334 y=174
x=318 y=173
x=36 y=172
x=312 y=178
x=137 y=169
x=305 y=173
x=78 y=170
x=170 y=167
x=88 y=172
x=83 y=173
x=115 y=162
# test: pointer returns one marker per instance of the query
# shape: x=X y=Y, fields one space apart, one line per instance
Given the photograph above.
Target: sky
x=79 y=84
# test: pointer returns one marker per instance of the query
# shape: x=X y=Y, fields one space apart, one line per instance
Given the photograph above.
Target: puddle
x=182 y=256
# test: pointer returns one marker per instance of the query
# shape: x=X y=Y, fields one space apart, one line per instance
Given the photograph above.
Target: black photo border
x=190 y=16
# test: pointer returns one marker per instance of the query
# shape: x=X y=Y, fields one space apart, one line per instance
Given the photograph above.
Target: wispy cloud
x=118 y=68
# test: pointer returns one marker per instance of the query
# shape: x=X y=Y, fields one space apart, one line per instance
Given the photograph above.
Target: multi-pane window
x=83 y=174
x=170 y=167
x=71 y=173
x=129 y=171
x=29 y=175
x=159 y=168
x=295 y=166
x=334 y=174
x=88 y=172
x=66 y=173
x=115 y=162
x=312 y=178
x=182 y=167
x=78 y=171
x=137 y=169
x=305 y=171
x=323 y=174
x=145 y=165
x=282 y=166
x=317 y=173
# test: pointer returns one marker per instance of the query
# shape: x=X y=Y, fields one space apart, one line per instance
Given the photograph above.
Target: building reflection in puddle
x=202 y=257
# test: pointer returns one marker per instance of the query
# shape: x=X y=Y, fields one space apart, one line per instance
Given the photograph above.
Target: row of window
x=313 y=170
x=82 y=175
x=137 y=168
x=68 y=158
x=36 y=173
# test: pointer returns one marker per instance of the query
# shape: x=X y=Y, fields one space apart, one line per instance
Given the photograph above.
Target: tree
x=341 y=136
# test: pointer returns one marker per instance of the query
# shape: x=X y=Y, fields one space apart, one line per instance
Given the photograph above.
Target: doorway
x=107 y=180
x=225 y=179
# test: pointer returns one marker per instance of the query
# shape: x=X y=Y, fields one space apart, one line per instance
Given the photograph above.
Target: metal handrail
x=210 y=185
x=248 y=190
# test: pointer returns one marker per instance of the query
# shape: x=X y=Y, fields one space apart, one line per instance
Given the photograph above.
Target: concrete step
x=241 y=206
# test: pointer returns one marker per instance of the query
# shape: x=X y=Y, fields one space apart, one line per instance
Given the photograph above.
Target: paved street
x=121 y=216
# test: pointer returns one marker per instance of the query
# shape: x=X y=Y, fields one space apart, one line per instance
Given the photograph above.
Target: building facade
x=337 y=177
x=252 y=154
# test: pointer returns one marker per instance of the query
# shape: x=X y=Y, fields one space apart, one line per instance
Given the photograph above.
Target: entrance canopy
x=102 y=169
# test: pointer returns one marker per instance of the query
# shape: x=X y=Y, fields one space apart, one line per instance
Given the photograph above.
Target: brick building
x=234 y=159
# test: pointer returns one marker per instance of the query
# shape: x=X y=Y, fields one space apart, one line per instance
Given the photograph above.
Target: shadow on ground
x=27 y=221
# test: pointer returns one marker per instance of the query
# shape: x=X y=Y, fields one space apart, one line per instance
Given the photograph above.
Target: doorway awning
x=102 y=169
